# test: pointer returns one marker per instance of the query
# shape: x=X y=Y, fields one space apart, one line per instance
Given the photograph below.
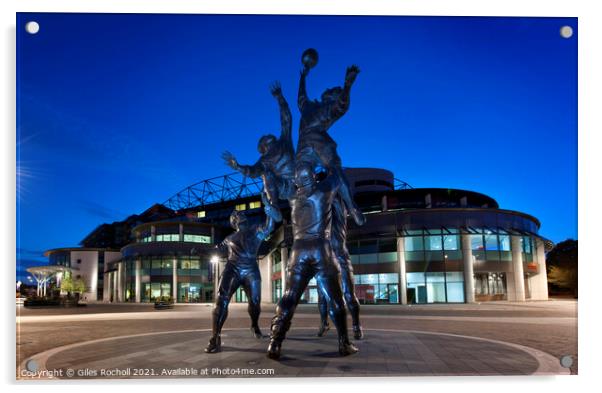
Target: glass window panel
x=455 y=292
x=414 y=256
x=435 y=277
x=355 y=259
x=370 y=279
x=451 y=242
x=165 y=289
x=184 y=263
x=433 y=243
x=504 y=242
x=393 y=293
x=506 y=255
x=388 y=278
x=435 y=292
x=155 y=291
x=368 y=258
x=415 y=278
x=434 y=231
x=453 y=255
x=454 y=276
x=491 y=242
x=413 y=243
x=476 y=242
x=434 y=255
x=387 y=257
x=527 y=245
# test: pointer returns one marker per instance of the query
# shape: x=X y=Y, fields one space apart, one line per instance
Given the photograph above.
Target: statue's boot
x=358 y=333
x=274 y=349
x=324 y=327
x=215 y=345
x=256 y=332
x=345 y=347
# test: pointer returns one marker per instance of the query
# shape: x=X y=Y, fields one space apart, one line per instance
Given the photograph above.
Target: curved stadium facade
x=419 y=245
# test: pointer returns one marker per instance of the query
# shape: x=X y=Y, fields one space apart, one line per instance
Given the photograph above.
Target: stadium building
x=419 y=245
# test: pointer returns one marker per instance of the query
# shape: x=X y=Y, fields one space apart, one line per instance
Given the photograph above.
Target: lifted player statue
x=312 y=255
x=275 y=166
x=317 y=147
x=241 y=270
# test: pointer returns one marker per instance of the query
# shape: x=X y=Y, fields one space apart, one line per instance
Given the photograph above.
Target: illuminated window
x=197 y=238
x=201 y=214
x=241 y=206
x=254 y=205
x=168 y=237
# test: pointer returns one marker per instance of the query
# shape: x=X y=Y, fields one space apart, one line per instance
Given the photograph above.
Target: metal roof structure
x=226 y=188
x=217 y=189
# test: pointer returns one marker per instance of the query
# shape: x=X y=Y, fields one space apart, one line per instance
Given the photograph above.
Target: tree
x=562 y=265
x=69 y=285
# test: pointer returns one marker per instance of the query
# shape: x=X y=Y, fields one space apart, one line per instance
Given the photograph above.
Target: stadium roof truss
x=226 y=188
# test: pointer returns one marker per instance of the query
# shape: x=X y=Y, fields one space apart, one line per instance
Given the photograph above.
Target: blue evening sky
x=118 y=112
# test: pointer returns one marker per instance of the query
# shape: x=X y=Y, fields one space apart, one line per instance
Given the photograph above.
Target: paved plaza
x=135 y=341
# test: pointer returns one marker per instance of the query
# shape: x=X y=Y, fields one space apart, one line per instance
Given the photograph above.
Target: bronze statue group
x=314 y=184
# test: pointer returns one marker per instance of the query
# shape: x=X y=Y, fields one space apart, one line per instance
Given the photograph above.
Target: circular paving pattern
x=382 y=353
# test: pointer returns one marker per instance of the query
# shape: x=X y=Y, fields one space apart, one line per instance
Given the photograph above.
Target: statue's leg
x=252 y=287
x=353 y=305
x=347 y=197
x=270 y=187
x=229 y=283
x=338 y=242
x=323 y=309
x=329 y=285
x=297 y=279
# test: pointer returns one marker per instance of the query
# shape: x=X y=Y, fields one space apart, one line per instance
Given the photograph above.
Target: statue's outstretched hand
x=230 y=160
x=351 y=74
x=276 y=89
x=270 y=210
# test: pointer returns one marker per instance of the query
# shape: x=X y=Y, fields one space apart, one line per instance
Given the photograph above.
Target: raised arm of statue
x=286 y=119
x=251 y=171
x=342 y=104
x=302 y=96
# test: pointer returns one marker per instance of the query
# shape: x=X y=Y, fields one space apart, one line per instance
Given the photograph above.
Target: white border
x=590 y=127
